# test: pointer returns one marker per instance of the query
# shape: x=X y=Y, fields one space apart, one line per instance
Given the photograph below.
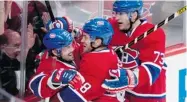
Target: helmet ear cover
x=58 y=52
x=130 y=15
x=98 y=45
x=98 y=38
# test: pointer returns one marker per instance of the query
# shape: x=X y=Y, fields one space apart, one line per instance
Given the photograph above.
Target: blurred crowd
x=10 y=42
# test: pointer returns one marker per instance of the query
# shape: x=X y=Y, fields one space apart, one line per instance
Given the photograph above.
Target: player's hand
x=31 y=36
x=61 y=23
x=77 y=81
x=63 y=77
x=128 y=57
x=77 y=33
x=122 y=80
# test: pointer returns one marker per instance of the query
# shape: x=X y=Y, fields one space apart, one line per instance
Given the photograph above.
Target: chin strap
x=59 y=52
x=128 y=31
x=94 y=48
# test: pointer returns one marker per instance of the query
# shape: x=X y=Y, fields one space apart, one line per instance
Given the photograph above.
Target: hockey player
x=95 y=63
x=57 y=69
x=62 y=23
x=144 y=58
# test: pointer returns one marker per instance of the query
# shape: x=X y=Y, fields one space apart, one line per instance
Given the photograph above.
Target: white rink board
x=175 y=63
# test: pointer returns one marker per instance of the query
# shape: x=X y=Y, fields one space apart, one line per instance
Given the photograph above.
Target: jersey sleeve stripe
x=35 y=84
x=149 y=74
x=153 y=71
x=70 y=95
x=146 y=95
x=53 y=85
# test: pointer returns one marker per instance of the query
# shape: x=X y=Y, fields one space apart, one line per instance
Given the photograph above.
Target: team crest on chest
x=128 y=57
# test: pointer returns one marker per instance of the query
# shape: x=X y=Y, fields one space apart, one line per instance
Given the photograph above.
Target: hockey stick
x=38 y=13
x=145 y=34
x=50 y=10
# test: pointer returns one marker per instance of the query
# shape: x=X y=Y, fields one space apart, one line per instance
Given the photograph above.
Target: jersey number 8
x=85 y=87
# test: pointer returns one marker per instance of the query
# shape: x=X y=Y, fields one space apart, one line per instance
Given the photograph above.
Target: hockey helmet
x=128 y=6
x=57 y=39
x=99 y=28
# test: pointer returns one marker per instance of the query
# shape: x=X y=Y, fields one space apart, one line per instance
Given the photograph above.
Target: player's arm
x=136 y=75
x=69 y=94
x=152 y=63
x=146 y=67
x=91 y=89
x=46 y=83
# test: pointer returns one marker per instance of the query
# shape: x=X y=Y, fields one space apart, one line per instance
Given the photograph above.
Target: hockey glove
x=77 y=81
x=123 y=80
x=128 y=57
x=62 y=23
x=63 y=77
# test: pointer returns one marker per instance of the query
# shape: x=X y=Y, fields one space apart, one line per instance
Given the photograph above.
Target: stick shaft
x=50 y=11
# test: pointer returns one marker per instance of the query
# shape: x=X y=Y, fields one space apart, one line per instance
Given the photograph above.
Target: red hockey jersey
x=47 y=64
x=94 y=67
x=151 y=80
x=38 y=83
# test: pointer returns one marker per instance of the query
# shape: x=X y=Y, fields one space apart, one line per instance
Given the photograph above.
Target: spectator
x=8 y=61
x=10 y=57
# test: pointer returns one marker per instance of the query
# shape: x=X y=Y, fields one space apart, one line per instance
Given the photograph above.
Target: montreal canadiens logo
x=128 y=58
x=56 y=24
x=52 y=35
x=100 y=23
x=146 y=9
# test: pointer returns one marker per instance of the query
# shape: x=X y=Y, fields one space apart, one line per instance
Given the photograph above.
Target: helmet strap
x=130 y=28
x=94 y=48
x=59 y=57
x=128 y=31
x=91 y=44
x=59 y=52
x=63 y=60
x=136 y=17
